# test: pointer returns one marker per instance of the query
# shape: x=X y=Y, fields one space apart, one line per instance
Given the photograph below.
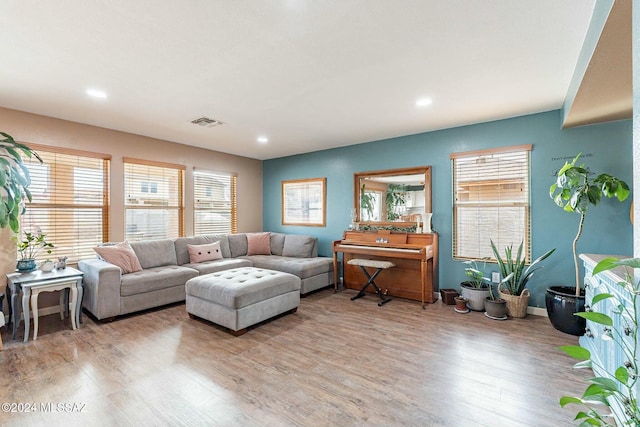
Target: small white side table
x=36 y=282
x=48 y=286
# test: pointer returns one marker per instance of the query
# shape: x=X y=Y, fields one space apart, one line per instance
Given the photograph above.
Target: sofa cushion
x=202 y=253
x=219 y=265
x=301 y=267
x=182 y=251
x=238 y=244
x=277 y=243
x=155 y=253
x=258 y=243
x=155 y=278
x=297 y=245
x=120 y=255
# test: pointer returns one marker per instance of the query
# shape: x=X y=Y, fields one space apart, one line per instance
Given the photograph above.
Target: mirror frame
x=426 y=170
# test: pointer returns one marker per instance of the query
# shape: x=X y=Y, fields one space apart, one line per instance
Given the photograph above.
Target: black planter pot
x=562 y=303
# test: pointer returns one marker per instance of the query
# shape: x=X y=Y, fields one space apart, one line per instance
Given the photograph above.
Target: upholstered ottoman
x=242 y=297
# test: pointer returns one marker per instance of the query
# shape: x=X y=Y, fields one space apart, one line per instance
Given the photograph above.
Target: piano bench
x=379 y=266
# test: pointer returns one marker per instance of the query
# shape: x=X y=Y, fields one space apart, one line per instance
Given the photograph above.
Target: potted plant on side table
x=476 y=289
x=513 y=290
x=575 y=191
x=29 y=248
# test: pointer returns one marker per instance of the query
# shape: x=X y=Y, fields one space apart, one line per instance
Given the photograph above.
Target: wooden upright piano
x=414 y=254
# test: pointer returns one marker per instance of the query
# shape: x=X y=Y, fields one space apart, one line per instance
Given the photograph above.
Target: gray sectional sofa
x=166 y=267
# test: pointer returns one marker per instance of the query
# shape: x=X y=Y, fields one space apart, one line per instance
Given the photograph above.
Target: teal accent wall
x=606 y=147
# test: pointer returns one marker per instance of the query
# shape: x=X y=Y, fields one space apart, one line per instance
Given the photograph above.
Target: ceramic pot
x=476 y=296
x=47 y=266
x=26 y=265
x=562 y=303
x=495 y=308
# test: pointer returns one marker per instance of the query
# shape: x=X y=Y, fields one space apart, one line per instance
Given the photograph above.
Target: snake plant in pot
x=514 y=290
x=575 y=190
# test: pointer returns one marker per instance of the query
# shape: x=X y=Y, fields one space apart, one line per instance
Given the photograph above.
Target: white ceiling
x=309 y=75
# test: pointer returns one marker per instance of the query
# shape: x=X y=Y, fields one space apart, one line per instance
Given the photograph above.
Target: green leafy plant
x=395 y=196
x=14 y=181
x=619 y=386
x=366 y=201
x=475 y=273
x=32 y=245
x=575 y=191
x=515 y=267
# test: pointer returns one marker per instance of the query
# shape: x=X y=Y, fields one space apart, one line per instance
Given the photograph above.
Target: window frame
x=55 y=207
x=306 y=188
x=525 y=149
x=233 y=178
x=179 y=207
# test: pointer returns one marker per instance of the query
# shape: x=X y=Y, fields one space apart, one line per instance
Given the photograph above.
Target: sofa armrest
x=101 y=284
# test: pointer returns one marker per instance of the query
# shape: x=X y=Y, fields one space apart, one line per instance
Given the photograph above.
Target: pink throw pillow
x=202 y=253
x=259 y=243
x=120 y=255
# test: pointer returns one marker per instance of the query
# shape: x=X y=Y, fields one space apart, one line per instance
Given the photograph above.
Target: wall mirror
x=393 y=196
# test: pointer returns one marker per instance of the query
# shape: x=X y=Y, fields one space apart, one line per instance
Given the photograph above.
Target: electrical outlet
x=495 y=277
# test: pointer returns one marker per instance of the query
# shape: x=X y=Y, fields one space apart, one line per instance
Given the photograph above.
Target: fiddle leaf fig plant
x=14 y=181
x=617 y=385
x=575 y=190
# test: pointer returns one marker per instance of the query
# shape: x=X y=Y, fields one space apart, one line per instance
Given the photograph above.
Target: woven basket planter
x=516 y=304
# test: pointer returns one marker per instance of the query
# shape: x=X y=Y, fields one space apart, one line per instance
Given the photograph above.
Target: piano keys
x=414 y=254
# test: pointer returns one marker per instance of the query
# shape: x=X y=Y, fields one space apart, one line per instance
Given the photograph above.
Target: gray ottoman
x=241 y=297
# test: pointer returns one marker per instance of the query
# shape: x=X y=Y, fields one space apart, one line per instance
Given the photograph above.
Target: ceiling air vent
x=206 y=122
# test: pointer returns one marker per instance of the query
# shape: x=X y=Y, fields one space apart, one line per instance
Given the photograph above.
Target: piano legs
x=371 y=282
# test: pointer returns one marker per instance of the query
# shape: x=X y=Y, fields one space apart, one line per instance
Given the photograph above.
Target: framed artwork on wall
x=304 y=202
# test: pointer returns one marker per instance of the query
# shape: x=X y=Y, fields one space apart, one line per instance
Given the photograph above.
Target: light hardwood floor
x=335 y=362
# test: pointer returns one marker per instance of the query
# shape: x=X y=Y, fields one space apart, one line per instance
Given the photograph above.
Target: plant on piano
x=607 y=388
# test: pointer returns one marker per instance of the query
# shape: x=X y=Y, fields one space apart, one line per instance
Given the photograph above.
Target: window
x=154 y=200
x=490 y=201
x=214 y=203
x=304 y=202
x=70 y=201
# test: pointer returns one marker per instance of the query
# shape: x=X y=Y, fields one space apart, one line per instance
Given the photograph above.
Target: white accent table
x=34 y=282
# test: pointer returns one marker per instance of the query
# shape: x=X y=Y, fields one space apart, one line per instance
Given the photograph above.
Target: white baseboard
x=534 y=311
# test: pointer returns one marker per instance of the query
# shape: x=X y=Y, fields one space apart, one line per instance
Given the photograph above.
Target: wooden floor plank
x=334 y=362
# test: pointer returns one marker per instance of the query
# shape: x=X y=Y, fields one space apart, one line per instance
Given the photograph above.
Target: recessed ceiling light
x=97 y=93
x=263 y=139
x=424 y=102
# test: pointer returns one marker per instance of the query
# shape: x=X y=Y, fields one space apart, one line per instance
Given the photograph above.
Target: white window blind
x=214 y=203
x=70 y=203
x=490 y=201
x=154 y=200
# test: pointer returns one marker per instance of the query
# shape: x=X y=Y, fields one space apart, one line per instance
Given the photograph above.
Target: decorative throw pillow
x=259 y=243
x=297 y=245
x=120 y=255
x=202 y=253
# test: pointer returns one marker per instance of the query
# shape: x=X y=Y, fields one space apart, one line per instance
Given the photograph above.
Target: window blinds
x=154 y=200
x=490 y=201
x=214 y=203
x=70 y=201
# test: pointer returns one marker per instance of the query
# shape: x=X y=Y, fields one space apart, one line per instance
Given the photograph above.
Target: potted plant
x=461 y=304
x=29 y=248
x=476 y=289
x=614 y=389
x=395 y=197
x=575 y=191
x=514 y=290
x=495 y=307
x=14 y=181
